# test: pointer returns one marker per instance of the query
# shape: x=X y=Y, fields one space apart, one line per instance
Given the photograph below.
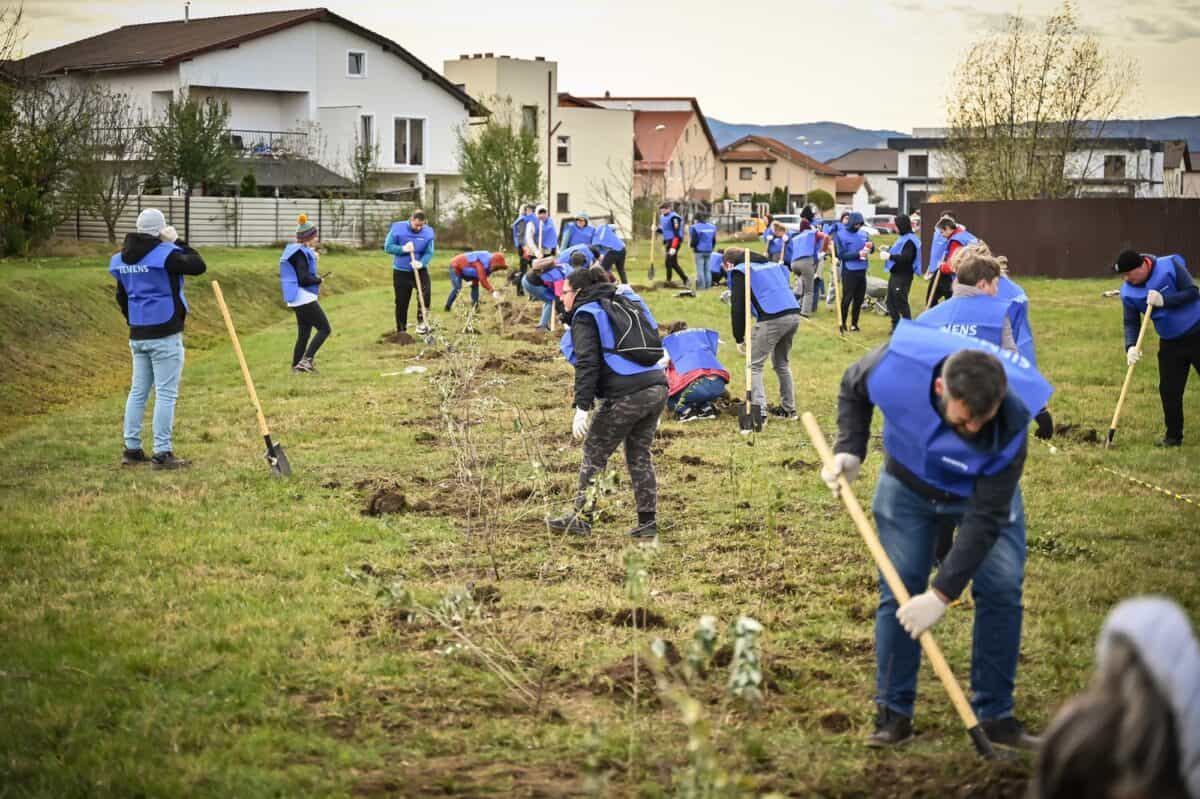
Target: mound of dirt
x=388 y=501
x=672 y=327
x=836 y=722
x=617 y=681
x=644 y=618
x=797 y=464
x=485 y=594
x=425 y=437
x=494 y=363
x=528 y=336
x=1080 y=435
x=397 y=337
x=692 y=460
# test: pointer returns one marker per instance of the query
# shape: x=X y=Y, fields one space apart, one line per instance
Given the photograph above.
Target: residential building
x=1177 y=164
x=878 y=166
x=303 y=87
x=760 y=164
x=586 y=151
x=1099 y=167
x=678 y=154
x=854 y=194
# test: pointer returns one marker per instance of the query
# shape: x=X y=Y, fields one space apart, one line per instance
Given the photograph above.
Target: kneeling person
x=695 y=377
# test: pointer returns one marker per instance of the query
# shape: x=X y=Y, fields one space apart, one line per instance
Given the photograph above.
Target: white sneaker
x=422 y=329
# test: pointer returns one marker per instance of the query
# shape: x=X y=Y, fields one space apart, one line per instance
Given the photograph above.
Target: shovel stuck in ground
x=276 y=457
x=427 y=336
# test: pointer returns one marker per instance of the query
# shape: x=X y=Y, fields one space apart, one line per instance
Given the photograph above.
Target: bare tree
x=616 y=190
x=114 y=158
x=1024 y=103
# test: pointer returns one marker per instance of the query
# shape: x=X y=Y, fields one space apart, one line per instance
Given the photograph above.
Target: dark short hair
x=527 y=207
x=976 y=378
x=581 y=279
x=578 y=260
x=418 y=215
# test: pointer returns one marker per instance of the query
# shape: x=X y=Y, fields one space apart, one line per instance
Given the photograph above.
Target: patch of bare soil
x=473 y=776
x=528 y=336
x=486 y=594
x=616 y=681
x=673 y=326
x=798 y=464
x=911 y=778
x=642 y=617
x=692 y=460
x=389 y=500
x=836 y=722
x=396 y=337
x=425 y=437
x=1077 y=434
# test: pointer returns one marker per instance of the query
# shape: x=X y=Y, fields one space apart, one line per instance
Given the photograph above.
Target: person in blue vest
x=957 y=410
x=695 y=376
x=518 y=238
x=702 y=238
x=776 y=238
x=670 y=225
x=301 y=286
x=547 y=276
x=977 y=310
x=611 y=248
x=831 y=229
x=854 y=247
x=716 y=267
x=955 y=236
x=541 y=239
x=617 y=400
x=474 y=267
x=1162 y=286
x=903 y=261
x=149 y=271
x=411 y=246
x=579 y=231
x=803 y=258
x=776 y=318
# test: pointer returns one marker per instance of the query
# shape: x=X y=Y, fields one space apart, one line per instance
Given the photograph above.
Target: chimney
x=607 y=94
x=187 y=11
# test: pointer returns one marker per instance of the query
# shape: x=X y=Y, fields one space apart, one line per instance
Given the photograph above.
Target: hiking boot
x=447 y=308
x=167 y=460
x=134 y=457
x=307 y=365
x=891 y=729
x=1011 y=734
x=842 y=330
x=647 y=531
x=1169 y=442
x=573 y=523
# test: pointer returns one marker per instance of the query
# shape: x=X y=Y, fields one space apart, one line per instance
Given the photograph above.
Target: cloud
x=1167 y=31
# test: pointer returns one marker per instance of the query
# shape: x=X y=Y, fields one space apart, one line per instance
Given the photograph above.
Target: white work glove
x=920 y=613
x=929 y=275
x=170 y=234
x=885 y=253
x=671 y=251
x=844 y=465
x=1154 y=299
x=497 y=296
x=408 y=248
x=579 y=426
x=1132 y=355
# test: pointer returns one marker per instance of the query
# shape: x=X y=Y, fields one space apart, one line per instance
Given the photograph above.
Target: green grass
x=215 y=632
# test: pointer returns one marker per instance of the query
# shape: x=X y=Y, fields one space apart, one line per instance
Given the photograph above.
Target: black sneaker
x=645 y=532
x=572 y=523
x=133 y=457
x=1170 y=442
x=780 y=412
x=1010 y=734
x=891 y=729
x=694 y=414
x=167 y=460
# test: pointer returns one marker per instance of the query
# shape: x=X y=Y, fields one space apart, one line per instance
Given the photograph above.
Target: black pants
x=632 y=419
x=615 y=259
x=515 y=278
x=309 y=317
x=854 y=291
x=673 y=265
x=899 y=283
x=1176 y=357
x=403 y=284
x=945 y=289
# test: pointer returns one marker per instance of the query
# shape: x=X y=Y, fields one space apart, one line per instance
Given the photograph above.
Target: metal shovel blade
x=278 y=459
x=650 y=274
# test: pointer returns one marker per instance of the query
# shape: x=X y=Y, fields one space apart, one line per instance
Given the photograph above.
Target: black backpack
x=634 y=338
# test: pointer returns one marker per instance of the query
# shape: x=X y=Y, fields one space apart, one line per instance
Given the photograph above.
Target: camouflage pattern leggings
x=632 y=419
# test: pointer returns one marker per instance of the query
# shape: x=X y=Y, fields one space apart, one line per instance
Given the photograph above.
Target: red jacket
x=954 y=247
x=459 y=263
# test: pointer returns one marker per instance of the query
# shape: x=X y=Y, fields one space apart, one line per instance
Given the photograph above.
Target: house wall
x=1191 y=184
x=1143 y=166
x=693 y=171
x=256 y=110
x=140 y=85
x=597 y=158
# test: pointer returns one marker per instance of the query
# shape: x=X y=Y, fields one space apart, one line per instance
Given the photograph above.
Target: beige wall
x=797 y=178
x=693 y=170
x=599 y=162
x=757 y=184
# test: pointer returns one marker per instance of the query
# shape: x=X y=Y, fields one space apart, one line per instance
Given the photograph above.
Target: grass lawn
x=215 y=632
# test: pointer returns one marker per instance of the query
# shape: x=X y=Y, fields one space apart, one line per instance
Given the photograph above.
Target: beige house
x=587 y=150
x=677 y=154
x=759 y=164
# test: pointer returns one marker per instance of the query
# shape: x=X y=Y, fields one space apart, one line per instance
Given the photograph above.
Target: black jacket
x=902 y=260
x=593 y=377
x=737 y=299
x=989 y=504
x=304 y=278
x=184 y=261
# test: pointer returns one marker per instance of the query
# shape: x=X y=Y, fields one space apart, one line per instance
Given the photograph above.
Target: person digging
x=474 y=267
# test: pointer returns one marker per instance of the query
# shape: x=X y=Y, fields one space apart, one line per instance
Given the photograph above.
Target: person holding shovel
x=518 y=238
x=957 y=411
x=620 y=393
x=411 y=246
x=776 y=318
x=1162 y=286
x=611 y=249
x=540 y=235
x=953 y=238
x=670 y=224
x=301 y=286
x=474 y=267
x=149 y=271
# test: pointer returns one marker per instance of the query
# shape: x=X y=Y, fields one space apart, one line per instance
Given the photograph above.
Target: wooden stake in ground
x=749 y=418
x=884 y=563
x=650 y=271
x=1112 y=428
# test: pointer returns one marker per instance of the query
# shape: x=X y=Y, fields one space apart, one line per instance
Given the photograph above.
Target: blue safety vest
x=665 y=224
x=607 y=239
x=518 y=230
x=573 y=234
x=401 y=233
x=1018 y=316
x=287 y=274
x=937 y=250
x=899 y=245
x=478 y=262
x=706 y=236
x=981 y=316
x=849 y=245
x=1170 y=323
x=564 y=256
x=769 y=289
x=963 y=237
x=774 y=246
x=915 y=433
x=618 y=363
x=148 y=286
x=715 y=262
x=693 y=349
x=805 y=244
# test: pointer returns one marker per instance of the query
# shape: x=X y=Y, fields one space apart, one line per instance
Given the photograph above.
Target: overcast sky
x=881 y=64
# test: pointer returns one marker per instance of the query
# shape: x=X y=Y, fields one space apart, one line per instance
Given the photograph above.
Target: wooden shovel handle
x=237 y=349
x=1112 y=428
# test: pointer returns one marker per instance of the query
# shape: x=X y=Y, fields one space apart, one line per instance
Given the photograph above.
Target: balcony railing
x=268 y=143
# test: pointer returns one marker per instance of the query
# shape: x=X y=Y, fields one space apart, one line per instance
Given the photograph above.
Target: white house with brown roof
x=759 y=164
x=854 y=194
x=302 y=85
x=878 y=167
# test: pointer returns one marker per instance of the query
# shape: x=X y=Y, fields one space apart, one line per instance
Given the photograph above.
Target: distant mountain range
x=835 y=138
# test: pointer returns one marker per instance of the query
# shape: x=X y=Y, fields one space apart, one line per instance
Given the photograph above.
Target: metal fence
x=238 y=222
x=1075 y=238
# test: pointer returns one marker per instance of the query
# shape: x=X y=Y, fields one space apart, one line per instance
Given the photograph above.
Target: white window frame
x=562 y=141
x=374 y=129
x=362 y=53
x=424 y=140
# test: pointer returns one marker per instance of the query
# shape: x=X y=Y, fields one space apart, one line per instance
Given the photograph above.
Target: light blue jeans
x=703 y=275
x=545 y=295
x=157 y=364
x=456 y=284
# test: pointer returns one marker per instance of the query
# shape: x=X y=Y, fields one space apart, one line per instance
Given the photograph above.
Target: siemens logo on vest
x=962 y=467
x=1015 y=358
x=962 y=330
x=133 y=269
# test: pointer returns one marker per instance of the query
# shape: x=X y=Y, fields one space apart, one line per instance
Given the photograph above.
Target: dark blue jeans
x=908 y=526
x=697 y=394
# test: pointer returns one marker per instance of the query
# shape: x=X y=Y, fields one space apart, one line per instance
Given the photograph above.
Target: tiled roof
x=780 y=149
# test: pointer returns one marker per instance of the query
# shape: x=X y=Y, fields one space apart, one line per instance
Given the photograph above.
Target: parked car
x=884 y=222
x=791 y=222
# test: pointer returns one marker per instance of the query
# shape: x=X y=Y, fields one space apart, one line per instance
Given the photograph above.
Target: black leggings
x=854 y=291
x=899 y=282
x=673 y=265
x=403 y=284
x=1176 y=358
x=615 y=259
x=309 y=317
